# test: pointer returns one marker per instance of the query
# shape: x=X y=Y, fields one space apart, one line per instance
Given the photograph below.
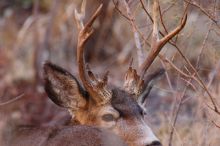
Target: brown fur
x=64 y=136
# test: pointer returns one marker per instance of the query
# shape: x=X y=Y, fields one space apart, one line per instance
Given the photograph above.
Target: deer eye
x=108 y=117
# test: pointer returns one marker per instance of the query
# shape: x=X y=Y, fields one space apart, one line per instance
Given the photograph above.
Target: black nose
x=155 y=143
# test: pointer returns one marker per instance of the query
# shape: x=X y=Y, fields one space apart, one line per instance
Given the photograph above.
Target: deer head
x=94 y=103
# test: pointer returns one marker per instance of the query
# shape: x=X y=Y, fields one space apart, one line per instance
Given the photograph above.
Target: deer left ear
x=149 y=82
x=63 y=88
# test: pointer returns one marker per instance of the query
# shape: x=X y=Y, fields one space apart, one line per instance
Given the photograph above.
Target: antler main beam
x=157 y=43
x=97 y=89
x=134 y=83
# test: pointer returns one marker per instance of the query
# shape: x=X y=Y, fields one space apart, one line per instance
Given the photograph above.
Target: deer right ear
x=63 y=88
x=149 y=82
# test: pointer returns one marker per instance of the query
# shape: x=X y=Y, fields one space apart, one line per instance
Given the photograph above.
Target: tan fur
x=63 y=136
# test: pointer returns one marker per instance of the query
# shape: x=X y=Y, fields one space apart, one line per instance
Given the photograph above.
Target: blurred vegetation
x=25 y=4
x=31 y=33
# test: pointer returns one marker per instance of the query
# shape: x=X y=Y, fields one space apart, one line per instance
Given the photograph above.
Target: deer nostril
x=155 y=143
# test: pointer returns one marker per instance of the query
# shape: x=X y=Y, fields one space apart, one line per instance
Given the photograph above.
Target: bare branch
x=140 y=52
x=161 y=20
x=119 y=11
x=203 y=11
x=131 y=20
x=148 y=14
x=169 y=7
x=216 y=124
x=203 y=46
x=12 y=100
x=155 y=34
x=175 y=116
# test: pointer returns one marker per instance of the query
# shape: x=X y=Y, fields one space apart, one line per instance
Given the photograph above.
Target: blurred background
x=179 y=108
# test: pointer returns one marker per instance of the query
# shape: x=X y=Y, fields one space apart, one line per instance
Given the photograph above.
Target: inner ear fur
x=63 y=88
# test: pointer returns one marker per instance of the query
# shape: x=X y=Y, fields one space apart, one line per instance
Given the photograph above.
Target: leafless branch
x=216 y=124
x=161 y=20
x=203 y=11
x=175 y=116
x=189 y=83
x=130 y=20
x=213 y=74
x=166 y=74
x=140 y=51
x=169 y=7
x=119 y=11
x=12 y=100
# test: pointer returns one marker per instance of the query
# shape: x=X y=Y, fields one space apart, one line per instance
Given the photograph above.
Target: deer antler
x=96 y=87
x=157 y=43
x=132 y=79
x=156 y=46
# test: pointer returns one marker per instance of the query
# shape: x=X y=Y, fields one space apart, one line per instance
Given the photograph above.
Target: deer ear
x=149 y=82
x=63 y=88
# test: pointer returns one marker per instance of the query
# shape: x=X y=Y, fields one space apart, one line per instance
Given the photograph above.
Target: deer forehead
x=125 y=104
x=121 y=105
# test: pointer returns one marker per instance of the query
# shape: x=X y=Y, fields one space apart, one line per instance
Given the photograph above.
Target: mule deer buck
x=95 y=105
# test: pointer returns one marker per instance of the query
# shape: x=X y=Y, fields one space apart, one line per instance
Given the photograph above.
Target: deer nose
x=155 y=143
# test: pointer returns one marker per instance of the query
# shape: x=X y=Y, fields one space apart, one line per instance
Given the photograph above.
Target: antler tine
x=157 y=44
x=80 y=15
x=85 y=32
x=100 y=94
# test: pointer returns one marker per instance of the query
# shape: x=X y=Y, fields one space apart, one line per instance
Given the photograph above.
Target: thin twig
x=161 y=20
x=203 y=11
x=187 y=81
x=144 y=8
x=166 y=74
x=12 y=100
x=140 y=51
x=174 y=66
x=129 y=19
x=213 y=74
x=215 y=124
x=203 y=45
x=191 y=76
x=119 y=11
x=199 y=79
x=176 y=114
x=169 y=7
